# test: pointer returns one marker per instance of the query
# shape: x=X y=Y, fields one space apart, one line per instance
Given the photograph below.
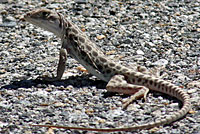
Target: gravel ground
x=151 y=33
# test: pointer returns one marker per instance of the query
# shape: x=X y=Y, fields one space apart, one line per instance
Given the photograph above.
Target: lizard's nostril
x=28 y=14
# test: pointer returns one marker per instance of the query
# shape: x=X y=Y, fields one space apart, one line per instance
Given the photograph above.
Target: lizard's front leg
x=118 y=84
x=61 y=66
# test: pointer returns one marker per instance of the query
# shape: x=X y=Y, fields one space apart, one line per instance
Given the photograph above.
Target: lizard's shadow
x=75 y=81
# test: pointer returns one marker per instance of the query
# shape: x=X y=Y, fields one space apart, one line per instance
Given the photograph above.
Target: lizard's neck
x=64 y=25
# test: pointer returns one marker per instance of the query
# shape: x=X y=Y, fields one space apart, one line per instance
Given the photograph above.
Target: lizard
x=119 y=78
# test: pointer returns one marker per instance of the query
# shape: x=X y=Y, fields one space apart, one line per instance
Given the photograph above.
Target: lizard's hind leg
x=118 y=84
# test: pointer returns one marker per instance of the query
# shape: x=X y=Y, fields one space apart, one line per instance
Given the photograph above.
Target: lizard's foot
x=118 y=84
x=61 y=67
x=141 y=93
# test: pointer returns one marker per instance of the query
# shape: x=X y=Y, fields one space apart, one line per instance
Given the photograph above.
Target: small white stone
x=41 y=93
x=47 y=33
x=151 y=44
x=174 y=105
x=3 y=124
x=140 y=52
x=116 y=113
x=58 y=93
x=193 y=90
x=161 y=62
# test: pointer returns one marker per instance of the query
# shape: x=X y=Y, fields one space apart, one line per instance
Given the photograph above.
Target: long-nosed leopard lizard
x=120 y=78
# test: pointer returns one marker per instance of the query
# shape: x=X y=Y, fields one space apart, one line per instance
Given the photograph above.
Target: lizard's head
x=45 y=19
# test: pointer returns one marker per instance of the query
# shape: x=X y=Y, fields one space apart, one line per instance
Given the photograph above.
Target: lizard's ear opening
x=52 y=18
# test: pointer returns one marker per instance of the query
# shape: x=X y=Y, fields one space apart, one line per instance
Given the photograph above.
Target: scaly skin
x=120 y=78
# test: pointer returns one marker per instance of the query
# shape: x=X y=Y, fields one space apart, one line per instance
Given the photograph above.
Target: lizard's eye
x=45 y=14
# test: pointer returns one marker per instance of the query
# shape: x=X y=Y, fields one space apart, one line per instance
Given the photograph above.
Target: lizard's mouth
x=26 y=17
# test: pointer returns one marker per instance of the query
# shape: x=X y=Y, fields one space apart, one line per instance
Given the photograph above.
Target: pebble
x=99 y=37
x=140 y=52
x=161 y=62
x=174 y=105
x=81 y=1
x=59 y=104
x=41 y=93
x=193 y=90
x=115 y=113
